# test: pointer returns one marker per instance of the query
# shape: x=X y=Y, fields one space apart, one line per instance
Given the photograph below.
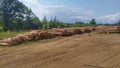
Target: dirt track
x=78 y=51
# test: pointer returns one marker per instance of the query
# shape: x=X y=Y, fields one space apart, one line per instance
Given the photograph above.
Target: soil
x=77 y=51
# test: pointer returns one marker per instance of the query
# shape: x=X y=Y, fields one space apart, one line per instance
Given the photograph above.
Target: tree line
x=16 y=16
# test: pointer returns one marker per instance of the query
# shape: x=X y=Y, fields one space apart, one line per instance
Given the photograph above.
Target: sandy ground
x=78 y=51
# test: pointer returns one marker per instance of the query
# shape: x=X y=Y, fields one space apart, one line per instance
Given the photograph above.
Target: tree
x=55 y=23
x=11 y=9
x=29 y=19
x=92 y=22
x=37 y=23
x=1 y=26
x=52 y=24
x=79 y=24
x=1 y=21
x=16 y=15
x=118 y=23
x=45 y=23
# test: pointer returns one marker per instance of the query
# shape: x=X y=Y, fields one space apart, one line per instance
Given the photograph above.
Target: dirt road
x=78 y=51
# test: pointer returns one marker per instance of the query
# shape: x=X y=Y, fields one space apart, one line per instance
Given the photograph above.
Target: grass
x=10 y=34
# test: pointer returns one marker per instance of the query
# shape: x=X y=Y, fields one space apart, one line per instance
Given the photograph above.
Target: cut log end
x=5 y=44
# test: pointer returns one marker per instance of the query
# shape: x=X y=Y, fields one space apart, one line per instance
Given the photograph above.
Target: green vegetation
x=93 y=22
x=118 y=23
x=10 y=34
x=15 y=16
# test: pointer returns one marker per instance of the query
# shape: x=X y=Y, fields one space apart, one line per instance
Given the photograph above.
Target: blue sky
x=75 y=10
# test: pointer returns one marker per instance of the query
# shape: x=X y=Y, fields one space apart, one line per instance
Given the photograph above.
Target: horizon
x=104 y=11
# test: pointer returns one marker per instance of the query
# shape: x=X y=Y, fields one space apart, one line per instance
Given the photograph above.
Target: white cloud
x=62 y=12
x=30 y=1
x=83 y=18
x=112 y=18
x=39 y=9
x=67 y=14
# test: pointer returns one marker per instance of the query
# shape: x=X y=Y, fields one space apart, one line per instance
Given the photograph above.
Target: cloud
x=68 y=14
x=62 y=12
x=112 y=18
x=39 y=9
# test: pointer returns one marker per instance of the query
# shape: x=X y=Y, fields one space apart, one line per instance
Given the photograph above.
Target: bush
x=1 y=29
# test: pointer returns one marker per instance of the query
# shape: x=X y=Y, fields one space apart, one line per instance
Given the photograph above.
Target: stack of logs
x=107 y=29
x=42 y=34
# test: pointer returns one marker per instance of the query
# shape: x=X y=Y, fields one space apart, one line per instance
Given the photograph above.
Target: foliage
x=118 y=23
x=53 y=23
x=93 y=22
x=79 y=24
x=16 y=16
x=1 y=28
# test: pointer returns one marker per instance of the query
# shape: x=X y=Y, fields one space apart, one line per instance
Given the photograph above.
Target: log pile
x=108 y=29
x=73 y=31
x=41 y=34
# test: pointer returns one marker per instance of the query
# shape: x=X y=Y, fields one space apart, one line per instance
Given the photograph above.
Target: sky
x=104 y=11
